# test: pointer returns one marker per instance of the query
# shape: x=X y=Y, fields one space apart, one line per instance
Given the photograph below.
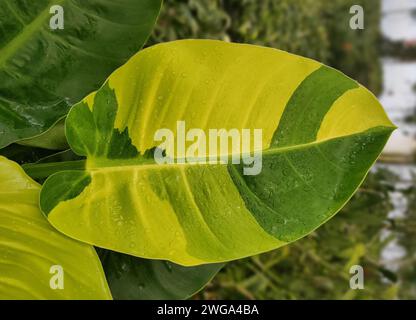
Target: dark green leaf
x=135 y=278
x=44 y=71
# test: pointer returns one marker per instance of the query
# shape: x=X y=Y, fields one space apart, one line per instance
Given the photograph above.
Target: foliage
x=405 y=228
x=43 y=71
x=317 y=267
x=31 y=249
x=355 y=52
x=289 y=25
x=198 y=212
x=318 y=29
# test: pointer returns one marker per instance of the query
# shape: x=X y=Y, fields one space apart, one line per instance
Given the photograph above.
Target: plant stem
x=44 y=170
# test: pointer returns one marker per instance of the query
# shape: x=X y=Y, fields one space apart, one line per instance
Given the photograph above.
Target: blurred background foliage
x=318 y=29
x=316 y=267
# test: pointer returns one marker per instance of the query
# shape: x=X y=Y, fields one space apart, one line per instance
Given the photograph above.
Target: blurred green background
x=377 y=229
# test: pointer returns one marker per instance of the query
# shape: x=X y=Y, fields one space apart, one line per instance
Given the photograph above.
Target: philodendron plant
x=163 y=207
x=44 y=71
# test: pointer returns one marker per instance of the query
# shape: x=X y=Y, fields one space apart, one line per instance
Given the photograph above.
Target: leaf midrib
x=149 y=163
x=44 y=170
x=14 y=45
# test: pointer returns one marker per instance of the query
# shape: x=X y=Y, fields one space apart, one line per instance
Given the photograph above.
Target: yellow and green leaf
x=322 y=131
x=30 y=248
